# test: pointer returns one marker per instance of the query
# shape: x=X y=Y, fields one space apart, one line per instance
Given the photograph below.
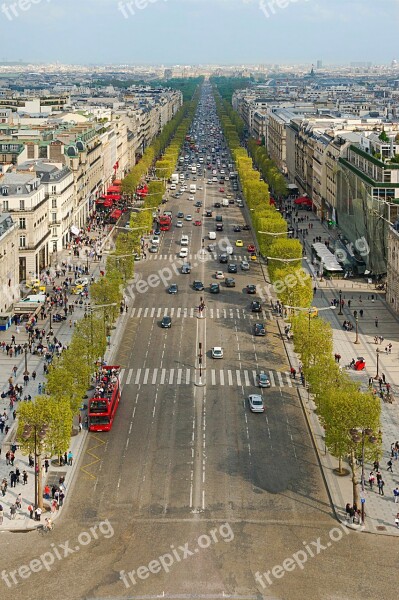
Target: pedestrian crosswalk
x=214 y=377
x=211 y=313
x=199 y=257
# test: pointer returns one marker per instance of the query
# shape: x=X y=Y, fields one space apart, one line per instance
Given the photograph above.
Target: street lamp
x=26 y=358
x=360 y=435
x=39 y=431
x=357 y=330
x=340 y=302
x=378 y=363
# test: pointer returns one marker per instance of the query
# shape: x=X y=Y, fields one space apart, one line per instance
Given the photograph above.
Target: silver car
x=256 y=403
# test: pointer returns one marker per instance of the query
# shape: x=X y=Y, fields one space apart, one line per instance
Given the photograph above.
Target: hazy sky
x=199 y=31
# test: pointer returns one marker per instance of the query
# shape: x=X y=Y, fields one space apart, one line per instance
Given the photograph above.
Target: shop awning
x=303 y=200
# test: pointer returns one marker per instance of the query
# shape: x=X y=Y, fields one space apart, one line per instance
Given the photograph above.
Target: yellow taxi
x=239 y=243
x=78 y=289
x=36 y=285
x=253 y=257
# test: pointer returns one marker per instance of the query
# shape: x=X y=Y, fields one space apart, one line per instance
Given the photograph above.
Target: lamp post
x=378 y=363
x=39 y=433
x=357 y=330
x=26 y=358
x=360 y=435
x=340 y=302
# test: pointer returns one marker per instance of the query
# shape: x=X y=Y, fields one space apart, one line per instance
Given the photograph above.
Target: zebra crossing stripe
x=172 y=311
x=246 y=378
x=133 y=311
x=171 y=374
x=280 y=379
x=213 y=377
x=187 y=376
x=159 y=312
x=163 y=374
x=152 y=312
x=288 y=377
x=129 y=376
x=238 y=375
x=145 y=311
x=137 y=376
x=139 y=312
x=121 y=374
x=179 y=374
x=178 y=312
x=146 y=374
x=184 y=312
x=191 y=312
x=154 y=376
x=217 y=313
x=165 y=312
x=271 y=377
x=211 y=313
x=254 y=377
x=229 y=377
x=222 y=377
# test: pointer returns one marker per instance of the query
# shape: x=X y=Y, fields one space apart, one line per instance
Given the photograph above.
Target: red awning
x=116 y=214
x=304 y=200
x=113 y=197
x=100 y=201
x=114 y=189
x=117 y=182
x=108 y=203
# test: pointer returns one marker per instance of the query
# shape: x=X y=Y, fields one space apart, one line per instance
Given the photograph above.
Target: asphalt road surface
x=191 y=495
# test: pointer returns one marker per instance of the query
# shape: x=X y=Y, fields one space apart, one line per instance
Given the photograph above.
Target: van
x=225 y=202
x=184 y=240
x=212 y=235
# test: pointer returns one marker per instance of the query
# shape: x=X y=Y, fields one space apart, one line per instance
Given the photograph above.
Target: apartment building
x=392 y=281
x=23 y=196
x=9 y=263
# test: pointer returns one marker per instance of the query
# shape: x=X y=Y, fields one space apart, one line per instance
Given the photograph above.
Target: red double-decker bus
x=103 y=406
x=165 y=222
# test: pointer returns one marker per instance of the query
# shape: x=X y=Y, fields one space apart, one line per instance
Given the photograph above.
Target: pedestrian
x=18 y=501
x=1 y=514
x=376 y=321
x=70 y=458
x=381 y=484
x=13 y=511
x=30 y=511
x=46 y=464
x=38 y=513
x=3 y=487
x=348 y=511
x=397 y=520
x=24 y=477
x=34 y=375
x=376 y=465
x=361 y=312
x=371 y=480
x=389 y=464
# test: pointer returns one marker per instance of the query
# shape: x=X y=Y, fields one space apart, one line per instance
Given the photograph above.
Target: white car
x=189 y=218
x=219 y=275
x=200 y=188
x=179 y=224
x=217 y=352
x=173 y=186
x=245 y=265
x=155 y=240
x=256 y=403
x=191 y=197
x=183 y=253
x=83 y=281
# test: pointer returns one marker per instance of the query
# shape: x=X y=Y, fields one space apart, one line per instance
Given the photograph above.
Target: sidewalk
x=380 y=510
x=63 y=332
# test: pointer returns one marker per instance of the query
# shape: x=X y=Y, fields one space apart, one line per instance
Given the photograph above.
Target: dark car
x=256 y=306
x=219 y=219
x=219 y=226
x=180 y=215
x=198 y=204
x=231 y=201
x=232 y=268
x=245 y=227
x=230 y=282
x=198 y=286
x=259 y=329
x=157 y=231
x=217 y=205
x=173 y=289
x=214 y=288
x=237 y=229
x=186 y=269
x=166 y=323
x=223 y=259
x=208 y=213
x=251 y=289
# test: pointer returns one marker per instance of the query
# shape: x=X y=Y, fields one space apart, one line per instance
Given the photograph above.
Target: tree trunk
x=354 y=480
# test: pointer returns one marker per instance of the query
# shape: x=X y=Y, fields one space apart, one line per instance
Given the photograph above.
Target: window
x=22 y=241
x=22 y=223
x=5 y=206
x=54 y=203
x=22 y=205
x=53 y=190
x=4 y=191
x=54 y=217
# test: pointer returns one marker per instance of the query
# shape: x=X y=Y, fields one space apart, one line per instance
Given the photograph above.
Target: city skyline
x=239 y=32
